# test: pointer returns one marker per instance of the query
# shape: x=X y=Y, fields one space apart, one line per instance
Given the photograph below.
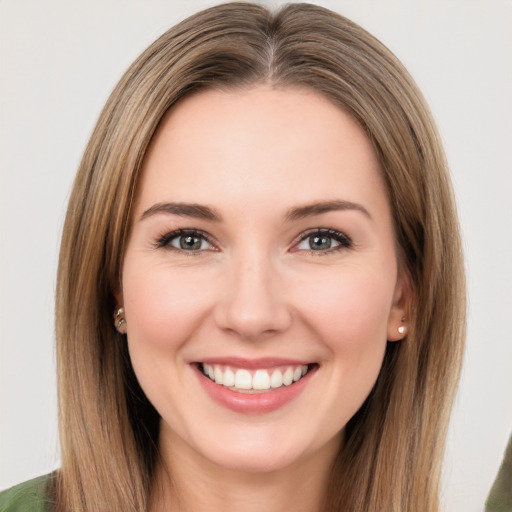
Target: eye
x=323 y=240
x=189 y=240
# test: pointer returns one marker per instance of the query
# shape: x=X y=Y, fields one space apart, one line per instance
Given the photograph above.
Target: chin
x=259 y=461
x=259 y=450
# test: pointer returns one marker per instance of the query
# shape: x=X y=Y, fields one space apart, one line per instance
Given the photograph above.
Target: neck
x=187 y=482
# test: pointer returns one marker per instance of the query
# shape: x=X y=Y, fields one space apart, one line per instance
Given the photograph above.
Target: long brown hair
x=391 y=458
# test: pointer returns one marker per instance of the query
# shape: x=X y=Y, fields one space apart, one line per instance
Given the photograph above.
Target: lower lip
x=253 y=403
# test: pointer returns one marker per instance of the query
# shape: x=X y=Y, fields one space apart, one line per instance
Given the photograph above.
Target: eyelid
x=163 y=241
x=345 y=242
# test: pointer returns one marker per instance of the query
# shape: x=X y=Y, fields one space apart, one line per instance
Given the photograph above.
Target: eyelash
x=165 y=240
x=344 y=241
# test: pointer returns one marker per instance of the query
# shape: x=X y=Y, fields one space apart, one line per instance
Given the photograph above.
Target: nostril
x=252 y=321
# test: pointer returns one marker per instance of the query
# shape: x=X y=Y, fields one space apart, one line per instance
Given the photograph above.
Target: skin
x=257 y=288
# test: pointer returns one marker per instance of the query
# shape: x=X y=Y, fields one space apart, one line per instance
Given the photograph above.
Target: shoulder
x=500 y=498
x=29 y=496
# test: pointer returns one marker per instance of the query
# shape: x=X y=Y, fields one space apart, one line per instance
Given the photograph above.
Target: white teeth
x=276 y=381
x=208 y=370
x=243 y=379
x=261 y=379
x=217 y=372
x=288 y=377
x=229 y=378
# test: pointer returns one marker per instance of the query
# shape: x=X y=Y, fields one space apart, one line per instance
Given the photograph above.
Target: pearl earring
x=402 y=329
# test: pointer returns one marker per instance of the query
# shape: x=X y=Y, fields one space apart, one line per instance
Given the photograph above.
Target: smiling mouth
x=259 y=380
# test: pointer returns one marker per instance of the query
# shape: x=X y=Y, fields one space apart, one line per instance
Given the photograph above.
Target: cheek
x=349 y=314
x=162 y=305
x=163 y=310
x=353 y=305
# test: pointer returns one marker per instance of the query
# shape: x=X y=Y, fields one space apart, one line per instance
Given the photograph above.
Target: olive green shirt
x=500 y=497
x=29 y=496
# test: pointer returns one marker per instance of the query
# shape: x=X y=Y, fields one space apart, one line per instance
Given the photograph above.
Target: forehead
x=291 y=144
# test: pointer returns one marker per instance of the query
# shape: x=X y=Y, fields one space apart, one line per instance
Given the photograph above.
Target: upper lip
x=261 y=362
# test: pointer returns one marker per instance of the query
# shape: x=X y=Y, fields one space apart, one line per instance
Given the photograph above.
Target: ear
x=399 y=316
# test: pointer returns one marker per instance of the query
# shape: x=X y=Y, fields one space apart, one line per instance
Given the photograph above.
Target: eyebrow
x=318 y=208
x=199 y=211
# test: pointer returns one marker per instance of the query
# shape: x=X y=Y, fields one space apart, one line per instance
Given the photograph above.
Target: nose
x=253 y=303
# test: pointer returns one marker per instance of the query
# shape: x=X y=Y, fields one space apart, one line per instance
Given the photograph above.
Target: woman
x=260 y=280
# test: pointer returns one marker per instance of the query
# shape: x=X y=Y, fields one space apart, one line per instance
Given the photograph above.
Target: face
x=260 y=280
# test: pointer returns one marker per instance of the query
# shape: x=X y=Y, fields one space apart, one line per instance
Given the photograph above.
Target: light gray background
x=58 y=62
